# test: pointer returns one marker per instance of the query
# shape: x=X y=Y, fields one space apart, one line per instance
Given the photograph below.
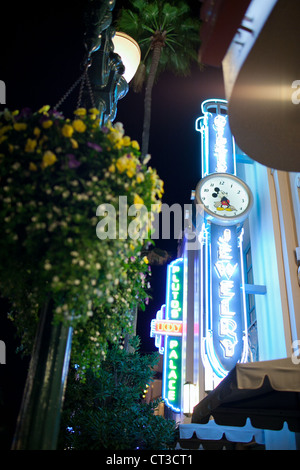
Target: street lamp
x=111 y=67
x=189 y=398
x=130 y=53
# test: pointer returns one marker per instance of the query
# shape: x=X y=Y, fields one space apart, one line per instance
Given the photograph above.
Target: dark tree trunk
x=148 y=96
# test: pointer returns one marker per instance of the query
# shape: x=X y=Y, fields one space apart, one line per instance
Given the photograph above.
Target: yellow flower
x=67 y=130
x=125 y=141
x=32 y=166
x=20 y=126
x=96 y=123
x=135 y=145
x=79 y=125
x=80 y=112
x=5 y=129
x=94 y=111
x=145 y=259
x=44 y=109
x=47 y=124
x=140 y=177
x=137 y=200
x=49 y=158
x=131 y=167
x=30 y=145
x=156 y=207
x=37 y=132
x=112 y=168
x=74 y=143
x=122 y=164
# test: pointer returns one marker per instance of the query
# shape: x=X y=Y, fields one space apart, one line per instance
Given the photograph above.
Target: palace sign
x=167 y=331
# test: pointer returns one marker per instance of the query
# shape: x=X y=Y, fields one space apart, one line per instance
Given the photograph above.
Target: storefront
x=232 y=310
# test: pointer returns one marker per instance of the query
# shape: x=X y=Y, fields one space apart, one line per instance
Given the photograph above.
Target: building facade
x=233 y=294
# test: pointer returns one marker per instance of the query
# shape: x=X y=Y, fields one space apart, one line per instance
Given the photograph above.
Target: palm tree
x=168 y=36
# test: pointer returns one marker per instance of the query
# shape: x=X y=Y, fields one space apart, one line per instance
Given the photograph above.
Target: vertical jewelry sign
x=227 y=305
x=167 y=330
x=222 y=304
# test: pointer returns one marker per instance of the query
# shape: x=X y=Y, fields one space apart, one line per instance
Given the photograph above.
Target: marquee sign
x=167 y=329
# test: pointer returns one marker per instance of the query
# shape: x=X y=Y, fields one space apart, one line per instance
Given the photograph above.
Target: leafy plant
x=107 y=410
x=54 y=173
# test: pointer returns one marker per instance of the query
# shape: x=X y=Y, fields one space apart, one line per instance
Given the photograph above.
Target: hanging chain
x=68 y=92
x=81 y=88
x=84 y=78
x=90 y=90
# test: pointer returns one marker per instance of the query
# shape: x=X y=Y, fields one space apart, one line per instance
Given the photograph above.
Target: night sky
x=41 y=51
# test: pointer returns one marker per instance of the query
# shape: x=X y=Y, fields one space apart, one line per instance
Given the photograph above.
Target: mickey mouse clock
x=226 y=199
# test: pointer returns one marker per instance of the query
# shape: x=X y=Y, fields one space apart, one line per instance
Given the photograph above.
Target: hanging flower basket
x=54 y=173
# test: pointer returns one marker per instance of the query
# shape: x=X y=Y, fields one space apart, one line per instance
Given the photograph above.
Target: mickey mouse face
x=217 y=190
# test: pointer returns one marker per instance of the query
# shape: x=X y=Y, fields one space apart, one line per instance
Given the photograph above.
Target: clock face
x=226 y=198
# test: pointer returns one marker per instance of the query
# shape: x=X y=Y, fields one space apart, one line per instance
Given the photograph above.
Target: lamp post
x=39 y=416
x=110 y=68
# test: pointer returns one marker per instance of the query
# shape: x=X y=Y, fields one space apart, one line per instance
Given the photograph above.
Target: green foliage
x=54 y=173
x=106 y=411
x=174 y=19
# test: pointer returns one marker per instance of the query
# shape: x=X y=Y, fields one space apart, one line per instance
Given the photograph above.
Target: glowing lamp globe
x=130 y=53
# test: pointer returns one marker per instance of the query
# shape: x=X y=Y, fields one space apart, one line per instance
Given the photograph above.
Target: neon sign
x=168 y=327
x=167 y=330
x=224 y=327
x=218 y=151
x=221 y=144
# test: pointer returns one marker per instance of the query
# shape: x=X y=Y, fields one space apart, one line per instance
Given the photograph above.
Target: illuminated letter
x=173 y=355
x=225 y=269
x=172 y=375
x=225 y=287
x=171 y=384
x=227 y=328
x=224 y=308
x=228 y=347
x=175 y=304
